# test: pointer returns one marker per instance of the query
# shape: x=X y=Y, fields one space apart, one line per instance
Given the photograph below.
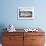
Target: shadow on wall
x=2 y=26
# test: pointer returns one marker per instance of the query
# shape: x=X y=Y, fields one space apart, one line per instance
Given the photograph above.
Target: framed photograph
x=25 y=13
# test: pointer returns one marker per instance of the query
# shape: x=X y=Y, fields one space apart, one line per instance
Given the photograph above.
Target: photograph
x=25 y=13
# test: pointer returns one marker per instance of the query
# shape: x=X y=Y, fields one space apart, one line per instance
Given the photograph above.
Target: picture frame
x=25 y=13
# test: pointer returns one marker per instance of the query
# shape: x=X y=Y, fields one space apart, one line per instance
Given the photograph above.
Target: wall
x=9 y=13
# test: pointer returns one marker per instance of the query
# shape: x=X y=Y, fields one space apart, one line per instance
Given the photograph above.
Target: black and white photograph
x=25 y=13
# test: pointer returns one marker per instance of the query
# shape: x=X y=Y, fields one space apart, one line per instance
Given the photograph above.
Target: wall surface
x=9 y=13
